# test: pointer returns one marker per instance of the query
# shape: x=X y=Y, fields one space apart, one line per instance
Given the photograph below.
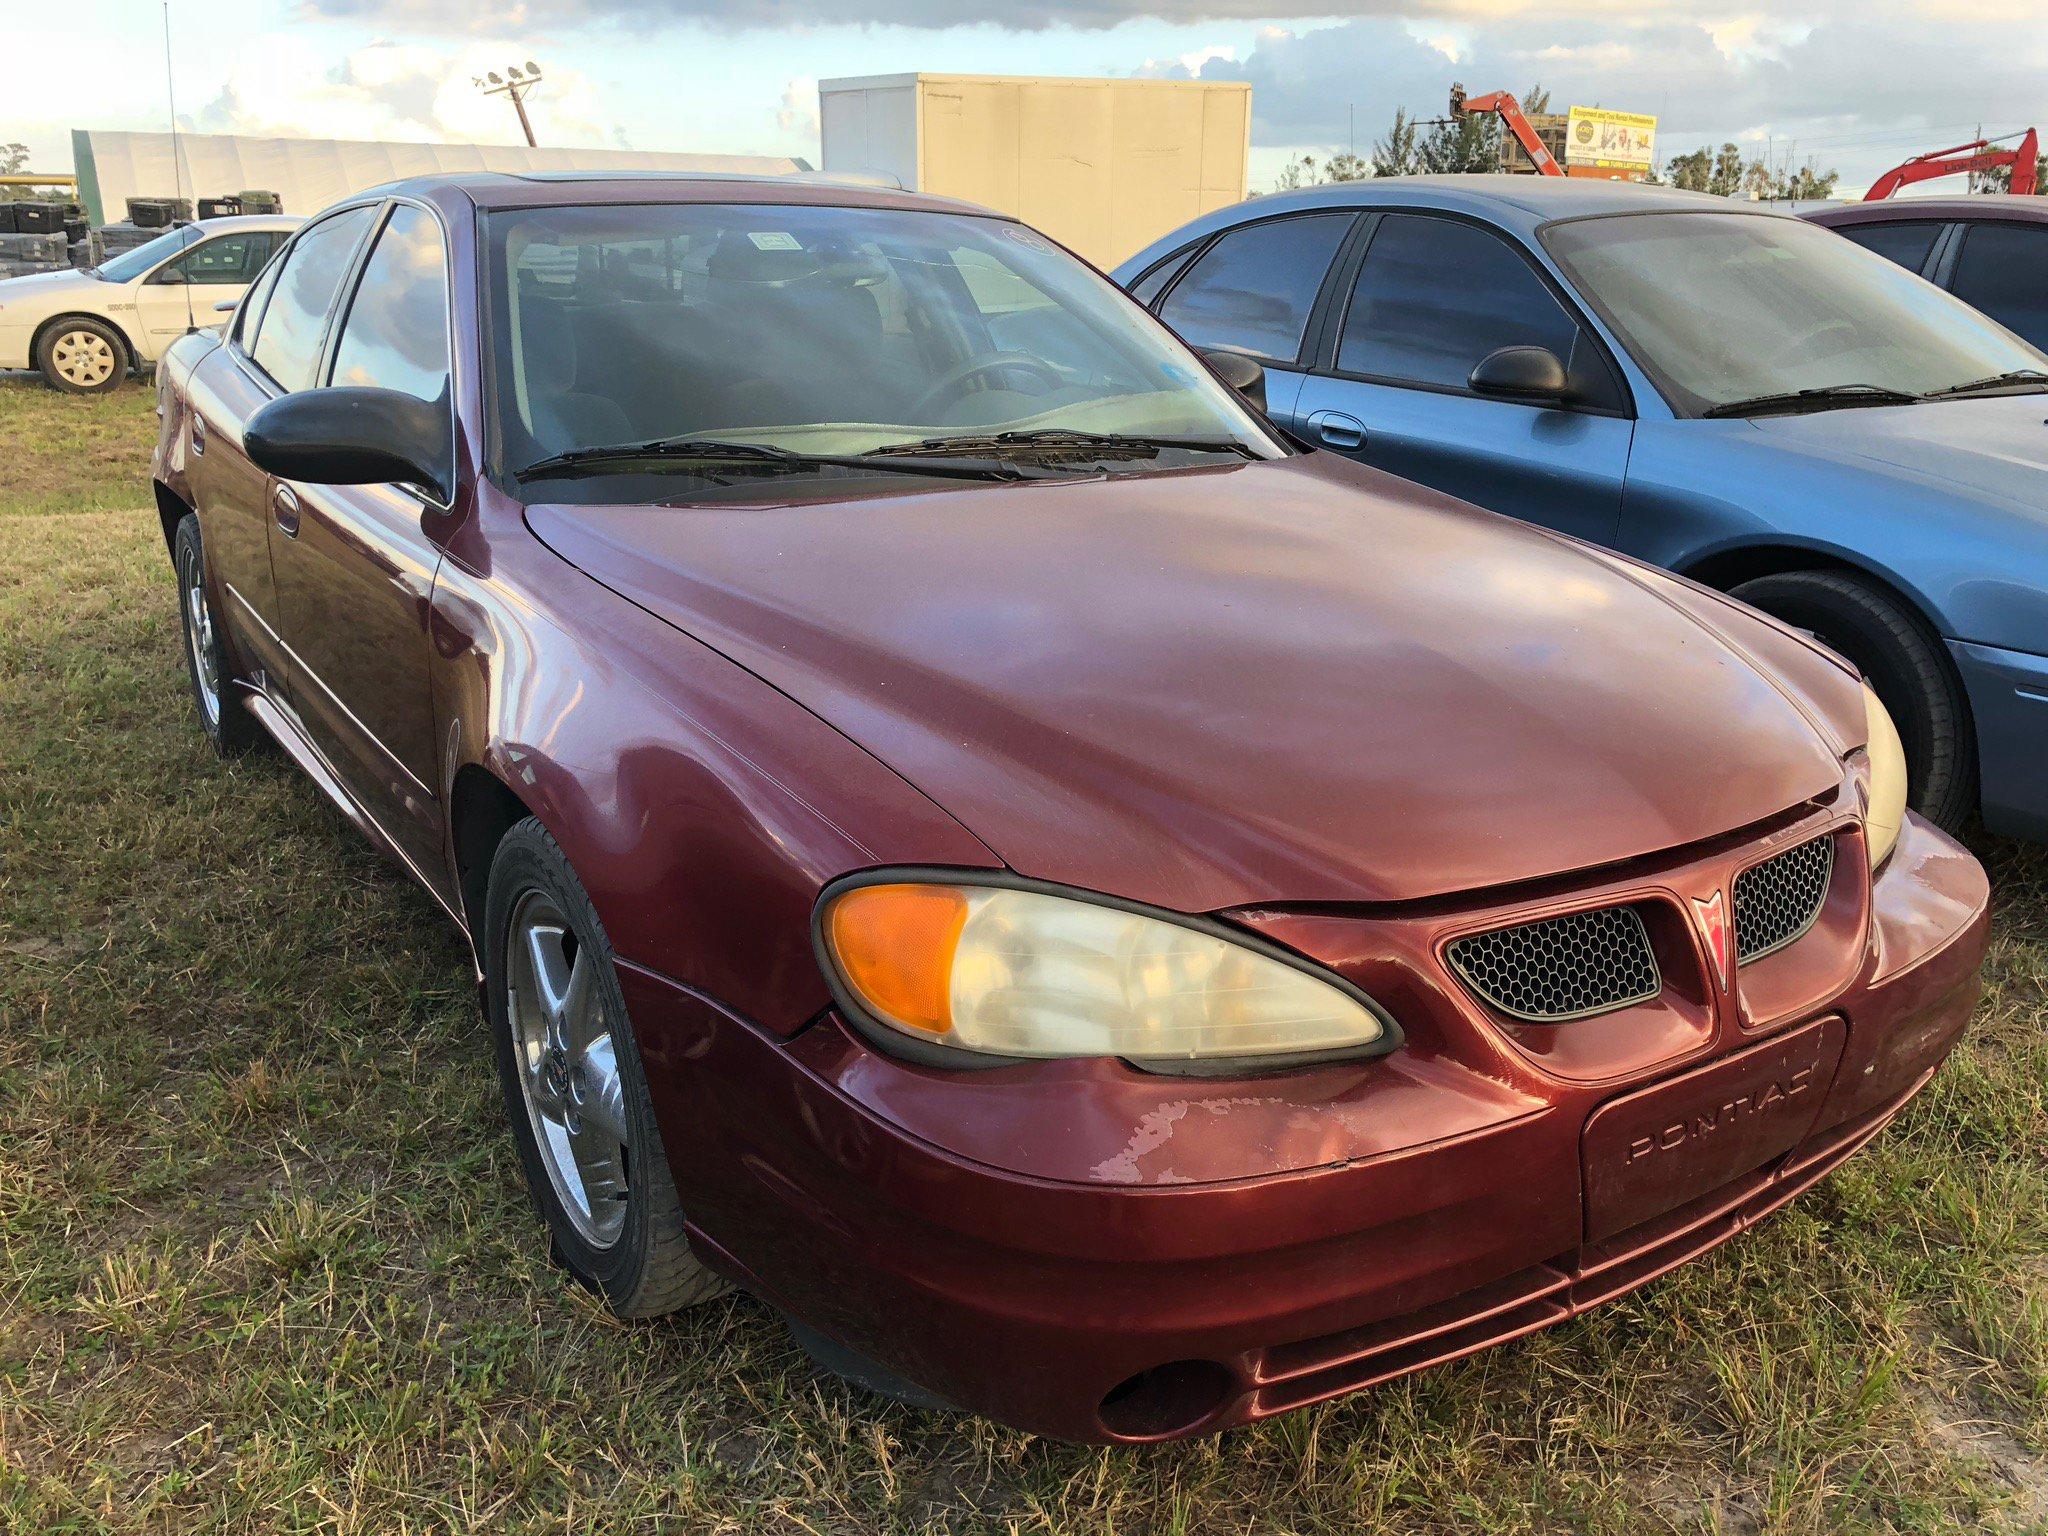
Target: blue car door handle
x=1338 y=430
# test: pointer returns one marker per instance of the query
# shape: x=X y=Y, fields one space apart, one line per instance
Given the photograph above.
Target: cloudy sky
x=1854 y=86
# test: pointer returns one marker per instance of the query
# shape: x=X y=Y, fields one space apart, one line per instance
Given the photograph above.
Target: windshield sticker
x=774 y=240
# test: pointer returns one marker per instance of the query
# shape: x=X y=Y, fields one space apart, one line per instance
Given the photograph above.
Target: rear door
x=355 y=567
x=2001 y=267
x=1425 y=299
x=1253 y=289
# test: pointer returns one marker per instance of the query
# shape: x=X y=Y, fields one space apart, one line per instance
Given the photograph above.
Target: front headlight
x=1881 y=779
x=998 y=971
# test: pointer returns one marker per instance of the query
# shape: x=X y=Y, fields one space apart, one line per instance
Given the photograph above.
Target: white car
x=85 y=331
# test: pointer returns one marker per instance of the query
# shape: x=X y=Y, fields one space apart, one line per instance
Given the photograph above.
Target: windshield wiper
x=2013 y=378
x=762 y=456
x=1827 y=397
x=1063 y=441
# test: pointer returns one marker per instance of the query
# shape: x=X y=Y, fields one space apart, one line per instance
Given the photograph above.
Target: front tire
x=82 y=356
x=1903 y=662
x=575 y=1090
x=215 y=699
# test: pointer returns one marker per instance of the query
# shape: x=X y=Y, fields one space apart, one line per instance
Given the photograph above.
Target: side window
x=230 y=259
x=1153 y=283
x=288 y=337
x=1907 y=244
x=396 y=333
x=250 y=316
x=1254 y=287
x=2004 y=272
x=1434 y=296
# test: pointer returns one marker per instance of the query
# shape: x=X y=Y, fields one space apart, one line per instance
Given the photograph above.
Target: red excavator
x=1977 y=155
x=1509 y=110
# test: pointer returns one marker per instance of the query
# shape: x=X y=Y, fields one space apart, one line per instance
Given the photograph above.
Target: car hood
x=35 y=287
x=1288 y=681
x=1994 y=446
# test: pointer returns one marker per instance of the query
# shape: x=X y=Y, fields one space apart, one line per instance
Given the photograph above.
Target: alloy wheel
x=199 y=633
x=568 y=1067
x=83 y=358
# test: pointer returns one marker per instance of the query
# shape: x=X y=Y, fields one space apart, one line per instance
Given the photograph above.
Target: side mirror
x=1241 y=373
x=349 y=436
x=169 y=277
x=1522 y=373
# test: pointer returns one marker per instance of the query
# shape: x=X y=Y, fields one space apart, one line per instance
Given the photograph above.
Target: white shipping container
x=1105 y=166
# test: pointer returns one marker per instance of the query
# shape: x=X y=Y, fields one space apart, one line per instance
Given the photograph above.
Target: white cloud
x=797 y=111
x=282 y=85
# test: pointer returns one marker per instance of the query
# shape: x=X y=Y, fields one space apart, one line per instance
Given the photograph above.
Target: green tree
x=1400 y=152
x=1726 y=172
x=13 y=159
x=2000 y=179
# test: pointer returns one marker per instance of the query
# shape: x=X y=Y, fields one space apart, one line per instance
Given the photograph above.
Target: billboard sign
x=1602 y=143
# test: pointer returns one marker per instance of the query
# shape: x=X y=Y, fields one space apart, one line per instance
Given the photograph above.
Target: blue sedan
x=1711 y=386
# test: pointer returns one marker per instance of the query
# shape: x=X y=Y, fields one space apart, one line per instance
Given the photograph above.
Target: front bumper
x=14 y=345
x=1101 y=1255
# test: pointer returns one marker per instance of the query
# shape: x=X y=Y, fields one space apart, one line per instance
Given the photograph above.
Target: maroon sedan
x=1105 y=919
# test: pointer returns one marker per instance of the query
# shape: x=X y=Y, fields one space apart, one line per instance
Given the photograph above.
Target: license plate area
x=1659 y=1147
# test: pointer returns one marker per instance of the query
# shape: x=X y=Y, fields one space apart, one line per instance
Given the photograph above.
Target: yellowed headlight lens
x=1884 y=811
x=1025 y=973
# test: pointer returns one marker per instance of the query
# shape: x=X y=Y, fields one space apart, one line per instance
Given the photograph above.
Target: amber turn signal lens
x=895 y=945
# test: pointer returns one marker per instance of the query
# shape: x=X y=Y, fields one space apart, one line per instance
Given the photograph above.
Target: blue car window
x=1434 y=296
x=1906 y=244
x=1153 y=283
x=1253 y=289
x=2004 y=272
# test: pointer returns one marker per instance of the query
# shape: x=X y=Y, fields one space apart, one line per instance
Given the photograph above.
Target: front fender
x=702 y=809
x=1699 y=492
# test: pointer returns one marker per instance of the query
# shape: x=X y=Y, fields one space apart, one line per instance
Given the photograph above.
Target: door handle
x=198 y=433
x=1338 y=430
x=284 y=506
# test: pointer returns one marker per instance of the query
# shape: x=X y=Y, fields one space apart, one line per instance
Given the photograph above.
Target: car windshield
x=130 y=265
x=1722 y=308
x=823 y=331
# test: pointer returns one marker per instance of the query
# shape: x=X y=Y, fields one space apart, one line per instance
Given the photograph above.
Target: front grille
x=1561 y=968
x=1777 y=901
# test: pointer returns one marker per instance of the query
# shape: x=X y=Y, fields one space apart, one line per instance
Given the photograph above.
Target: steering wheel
x=954 y=379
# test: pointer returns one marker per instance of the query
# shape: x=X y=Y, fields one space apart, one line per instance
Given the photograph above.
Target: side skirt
x=284 y=728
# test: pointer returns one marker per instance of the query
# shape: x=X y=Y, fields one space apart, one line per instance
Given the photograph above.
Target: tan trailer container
x=1105 y=166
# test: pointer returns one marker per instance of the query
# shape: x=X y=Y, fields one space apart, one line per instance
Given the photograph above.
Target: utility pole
x=515 y=82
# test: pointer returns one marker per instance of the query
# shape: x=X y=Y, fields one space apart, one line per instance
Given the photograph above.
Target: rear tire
x=215 y=698
x=1903 y=662
x=82 y=356
x=575 y=1089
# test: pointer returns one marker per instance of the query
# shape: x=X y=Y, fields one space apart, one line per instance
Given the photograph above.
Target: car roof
x=1954 y=205
x=231 y=223
x=561 y=189
x=1531 y=199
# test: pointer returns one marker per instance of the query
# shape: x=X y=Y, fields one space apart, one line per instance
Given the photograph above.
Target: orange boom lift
x=1509 y=110
x=1977 y=155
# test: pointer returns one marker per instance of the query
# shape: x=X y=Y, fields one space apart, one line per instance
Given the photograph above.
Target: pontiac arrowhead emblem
x=1712 y=912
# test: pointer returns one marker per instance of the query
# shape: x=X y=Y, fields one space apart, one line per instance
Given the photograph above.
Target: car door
x=272 y=347
x=355 y=568
x=1427 y=297
x=183 y=294
x=2001 y=267
x=1253 y=289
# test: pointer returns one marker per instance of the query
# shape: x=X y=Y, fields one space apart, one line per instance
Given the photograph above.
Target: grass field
x=266 y=1264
